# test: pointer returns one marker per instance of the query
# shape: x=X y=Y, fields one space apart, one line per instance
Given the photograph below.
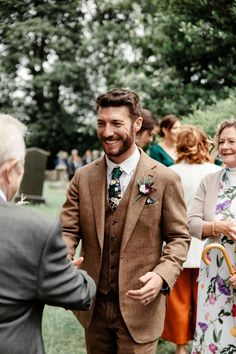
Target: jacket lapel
x=97 y=185
x=135 y=207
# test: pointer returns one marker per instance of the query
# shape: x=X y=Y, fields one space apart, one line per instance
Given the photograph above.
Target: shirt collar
x=3 y=195
x=128 y=166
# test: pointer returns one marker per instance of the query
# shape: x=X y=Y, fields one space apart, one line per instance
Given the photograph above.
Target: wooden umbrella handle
x=232 y=270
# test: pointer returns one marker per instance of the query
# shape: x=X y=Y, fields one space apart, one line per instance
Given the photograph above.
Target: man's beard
x=127 y=144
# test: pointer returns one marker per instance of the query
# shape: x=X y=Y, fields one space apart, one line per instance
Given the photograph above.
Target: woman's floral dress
x=216 y=315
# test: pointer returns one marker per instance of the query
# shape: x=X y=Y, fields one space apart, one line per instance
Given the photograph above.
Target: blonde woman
x=192 y=165
x=213 y=218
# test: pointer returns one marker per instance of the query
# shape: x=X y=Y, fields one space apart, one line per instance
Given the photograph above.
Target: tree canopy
x=57 y=55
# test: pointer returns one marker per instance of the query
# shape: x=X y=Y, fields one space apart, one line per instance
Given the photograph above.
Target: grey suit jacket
x=34 y=271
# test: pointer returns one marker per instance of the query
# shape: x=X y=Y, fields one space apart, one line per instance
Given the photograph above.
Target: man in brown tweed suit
x=122 y=241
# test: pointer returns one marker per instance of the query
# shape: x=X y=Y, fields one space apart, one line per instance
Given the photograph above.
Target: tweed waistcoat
x=114 y=224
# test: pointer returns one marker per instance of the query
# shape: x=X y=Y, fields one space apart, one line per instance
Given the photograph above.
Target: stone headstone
x=33 y=179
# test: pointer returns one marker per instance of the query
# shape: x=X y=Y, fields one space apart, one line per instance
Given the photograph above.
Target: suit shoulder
x=27 y=218
x=160 y=170
x=90 y=166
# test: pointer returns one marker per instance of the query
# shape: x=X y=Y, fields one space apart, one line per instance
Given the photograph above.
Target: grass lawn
x=62 y=332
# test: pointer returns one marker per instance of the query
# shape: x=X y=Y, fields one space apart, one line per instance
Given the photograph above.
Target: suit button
x=114 y=222
x=113 y=237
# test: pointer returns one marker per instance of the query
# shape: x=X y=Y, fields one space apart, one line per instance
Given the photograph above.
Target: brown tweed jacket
x=145 y=229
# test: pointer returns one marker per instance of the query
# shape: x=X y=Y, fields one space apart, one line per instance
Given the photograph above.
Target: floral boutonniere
x=146 y=187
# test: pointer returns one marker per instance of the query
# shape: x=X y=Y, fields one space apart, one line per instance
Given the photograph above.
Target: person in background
x=34 y=268
x=165 y=151
x=192 y=165
x=61 y=166
x=213 y=218
x=149 y=127
x=74 y=161
x=61 y=160
x=96 y=154
x=122 y=207
x=88 y=157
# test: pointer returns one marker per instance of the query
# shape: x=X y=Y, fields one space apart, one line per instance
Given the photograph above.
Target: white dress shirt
x=128 y=167
x=191 y=176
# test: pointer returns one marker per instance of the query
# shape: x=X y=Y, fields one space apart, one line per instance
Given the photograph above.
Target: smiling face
x=227 y=146
x=116 y=132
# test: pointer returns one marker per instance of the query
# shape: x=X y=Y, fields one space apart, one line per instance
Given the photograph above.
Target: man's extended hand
x=77 y=262
x=152 y=284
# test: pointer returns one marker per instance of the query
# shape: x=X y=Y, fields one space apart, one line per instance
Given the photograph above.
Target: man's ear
x=7 y=169
x=138 y=124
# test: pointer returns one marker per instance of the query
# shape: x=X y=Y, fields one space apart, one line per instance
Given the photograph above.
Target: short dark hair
x=118 y=97
x=149 y=121
x=226 y=124
x=167 y=122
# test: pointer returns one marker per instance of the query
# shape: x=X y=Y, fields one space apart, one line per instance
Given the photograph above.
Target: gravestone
x=33 y=179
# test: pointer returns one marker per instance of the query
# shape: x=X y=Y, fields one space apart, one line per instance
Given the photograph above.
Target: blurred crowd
x=70 y=162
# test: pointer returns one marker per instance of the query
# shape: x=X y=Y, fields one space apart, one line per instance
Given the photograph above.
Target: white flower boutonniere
x=146 y=187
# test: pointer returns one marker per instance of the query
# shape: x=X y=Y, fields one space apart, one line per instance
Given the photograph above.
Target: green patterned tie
x=114 y=190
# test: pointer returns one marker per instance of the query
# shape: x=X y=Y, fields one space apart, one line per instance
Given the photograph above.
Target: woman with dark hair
x=165 y=151
x=213 y=218
x=149 y=126
x=192 y=164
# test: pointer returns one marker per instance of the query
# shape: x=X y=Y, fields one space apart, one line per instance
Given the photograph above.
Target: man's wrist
x=165 y=288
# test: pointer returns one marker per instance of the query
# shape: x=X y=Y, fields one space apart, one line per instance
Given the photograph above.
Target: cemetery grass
x=62 y=333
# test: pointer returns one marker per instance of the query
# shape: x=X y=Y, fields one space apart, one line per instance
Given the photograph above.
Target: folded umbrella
x=205 y=251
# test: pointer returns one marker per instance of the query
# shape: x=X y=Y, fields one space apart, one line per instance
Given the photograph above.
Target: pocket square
x=150 y=200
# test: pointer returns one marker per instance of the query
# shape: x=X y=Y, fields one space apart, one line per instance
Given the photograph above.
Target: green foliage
x=209 y=118
x=179 y=55
x=187 y=54
x=62 y=332
x=42 y=78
